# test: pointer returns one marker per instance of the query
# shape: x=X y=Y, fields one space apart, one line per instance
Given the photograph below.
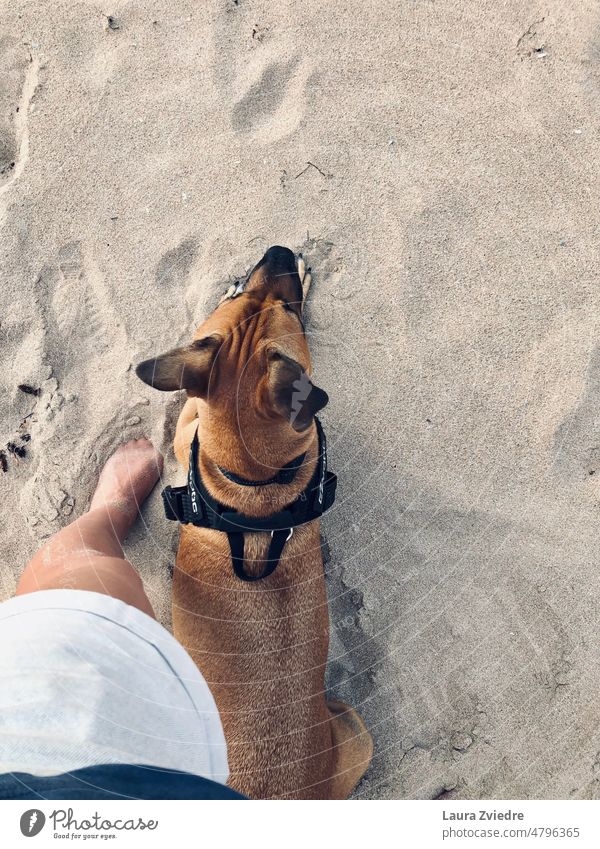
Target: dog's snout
x=277 y=274
x=277 y=260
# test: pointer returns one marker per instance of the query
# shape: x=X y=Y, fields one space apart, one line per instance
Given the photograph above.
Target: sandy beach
x=436 y=163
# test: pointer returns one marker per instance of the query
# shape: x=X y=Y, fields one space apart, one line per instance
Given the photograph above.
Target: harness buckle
x=173 y=502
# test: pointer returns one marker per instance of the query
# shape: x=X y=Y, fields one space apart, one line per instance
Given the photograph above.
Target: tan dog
x=261 y=646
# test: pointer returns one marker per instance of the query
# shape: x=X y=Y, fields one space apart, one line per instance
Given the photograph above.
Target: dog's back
x=262 y=648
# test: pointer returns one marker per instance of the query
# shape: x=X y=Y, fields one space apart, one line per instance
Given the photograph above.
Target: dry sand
x=453 y=225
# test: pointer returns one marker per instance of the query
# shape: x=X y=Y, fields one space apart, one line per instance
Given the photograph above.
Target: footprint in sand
x=83 y=326
x=83 y=342
x=267 y=83
x=273 y=105
x=18 y=82
x=174 y=267
x=77 y=304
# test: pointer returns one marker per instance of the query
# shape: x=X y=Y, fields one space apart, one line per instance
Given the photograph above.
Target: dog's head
x=249 y=361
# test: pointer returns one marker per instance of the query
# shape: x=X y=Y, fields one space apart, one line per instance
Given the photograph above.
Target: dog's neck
x=256 y=500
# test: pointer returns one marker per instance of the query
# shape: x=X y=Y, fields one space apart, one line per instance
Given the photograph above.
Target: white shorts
x=86 y=679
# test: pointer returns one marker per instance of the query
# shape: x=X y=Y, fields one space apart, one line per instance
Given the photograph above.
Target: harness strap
x=236 y=545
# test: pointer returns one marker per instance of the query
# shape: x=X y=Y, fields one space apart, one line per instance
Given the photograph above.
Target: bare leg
x=87 y=554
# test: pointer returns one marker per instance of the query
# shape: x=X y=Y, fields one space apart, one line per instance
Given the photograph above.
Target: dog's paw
x=305 y=276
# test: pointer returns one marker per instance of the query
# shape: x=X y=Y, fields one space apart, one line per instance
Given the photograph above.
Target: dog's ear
x=290 y=392
x=183 y=368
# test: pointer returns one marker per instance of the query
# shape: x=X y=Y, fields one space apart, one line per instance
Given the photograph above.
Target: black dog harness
x=194 y=505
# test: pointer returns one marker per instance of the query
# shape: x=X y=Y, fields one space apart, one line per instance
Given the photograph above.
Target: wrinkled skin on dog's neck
x=240 y=428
